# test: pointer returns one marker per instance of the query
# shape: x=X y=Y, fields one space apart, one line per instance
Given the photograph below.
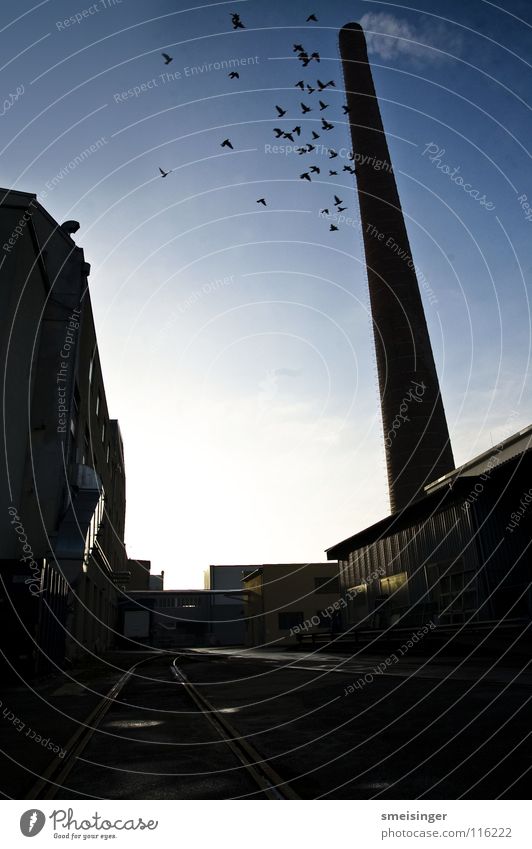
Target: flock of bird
x=325 y=127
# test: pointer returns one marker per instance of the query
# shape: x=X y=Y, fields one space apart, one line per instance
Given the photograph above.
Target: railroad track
x=63 y=774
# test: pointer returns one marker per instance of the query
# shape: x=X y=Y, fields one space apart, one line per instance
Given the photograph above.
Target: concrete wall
x=281 y=596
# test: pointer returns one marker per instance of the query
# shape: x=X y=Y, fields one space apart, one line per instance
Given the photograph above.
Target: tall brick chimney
x=416 y=437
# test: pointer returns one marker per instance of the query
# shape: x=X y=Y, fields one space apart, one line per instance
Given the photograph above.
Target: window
x=91 y=369
x=328 y=584
x=98 y=403
x=290 y=620
x=103 y=432
x=107 y=453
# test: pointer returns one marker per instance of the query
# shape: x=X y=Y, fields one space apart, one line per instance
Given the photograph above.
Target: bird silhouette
x=325 y=125
x=278 y=132
x=310 y=148
x=282 y=112
x=323 y=105
x=163 y=173
x=350 y=169
x=297 y=131
x=302 y=150
x=262 y=201
x=314 y=169
x=234 y=75
x=346 y=110
x=323 y=86
x=227 y=143
x=315 y=56
x=288 y=136
x=305 y=108
x=324 y=212
x=337 y=200
x=332 y=154
x=167 y=58
x=315 y=135
x=332 y=227
x=300 y=85
x=312 y=18
x=305 y=176
x=235 y=20
x=342 y=208
x=333 y=173
x=298 y=48
x=305 y=58
x=310 y=89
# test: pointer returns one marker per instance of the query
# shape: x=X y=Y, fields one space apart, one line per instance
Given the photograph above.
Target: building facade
x=285 y=599
x=458 y=557
x=62 y=496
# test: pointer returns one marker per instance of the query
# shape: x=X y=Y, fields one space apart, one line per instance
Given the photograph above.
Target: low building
x=230 y=623
x=286 y=599
x=62 y=478
x=173 y=618
x=139 y=574
x=458 y=556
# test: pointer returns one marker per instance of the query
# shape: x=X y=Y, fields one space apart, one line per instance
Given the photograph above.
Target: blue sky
x=235 y=340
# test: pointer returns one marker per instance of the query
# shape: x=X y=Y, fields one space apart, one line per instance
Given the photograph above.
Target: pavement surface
x=346 y=727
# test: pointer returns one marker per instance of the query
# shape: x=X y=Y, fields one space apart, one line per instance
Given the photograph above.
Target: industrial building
x=283 y=600
x=62 y=497
x=173 y=618
x=460 y=556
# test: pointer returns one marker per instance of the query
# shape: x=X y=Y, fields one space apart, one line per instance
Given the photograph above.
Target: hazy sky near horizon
x=235 y=340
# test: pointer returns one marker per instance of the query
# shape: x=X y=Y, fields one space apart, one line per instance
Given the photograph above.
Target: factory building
x=285 y=600
x=460 y=556
x=62 y=491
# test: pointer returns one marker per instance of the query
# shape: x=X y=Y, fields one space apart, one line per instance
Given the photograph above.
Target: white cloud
x=390 y=38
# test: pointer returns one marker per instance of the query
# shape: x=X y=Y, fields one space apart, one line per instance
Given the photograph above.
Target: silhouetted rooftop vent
x=70 y=227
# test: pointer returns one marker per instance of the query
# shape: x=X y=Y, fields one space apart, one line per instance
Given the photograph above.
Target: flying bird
x=305 y=108
x=302 y=150
x=305 y=176
x=315 y=56
x=310 y=89
x=346 y=110
x=337 y=200
x=332 y=227
x=342 y=208
x=298 y=48
x=167 y=58
x=324 y=212
x=297 y=131
x=234 y=75
x=282 y=112
x=310 y=147
x=262 y=201
x=278 y=132
x=325 y=125
x=321 y=85
x=333 y=173
x=227 y=143
x=315 y=135
x=163 y=173
x=323 y=105
x=332 y=154
x=288 y=136
x=350 y=169
x=312 y=18
x=300 y=85
x=305 y=59
x=314 y=169
x=237 y=23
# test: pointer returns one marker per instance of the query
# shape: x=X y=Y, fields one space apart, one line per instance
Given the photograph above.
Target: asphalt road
x=331 y=726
